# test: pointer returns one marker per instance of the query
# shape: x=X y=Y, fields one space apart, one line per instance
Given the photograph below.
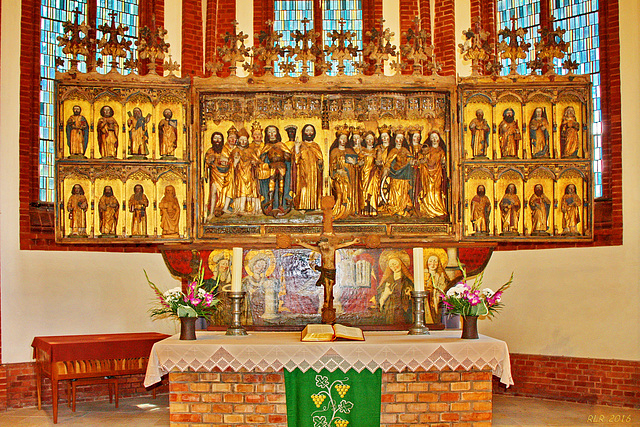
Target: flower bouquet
x=196 y=302
x=473 y=301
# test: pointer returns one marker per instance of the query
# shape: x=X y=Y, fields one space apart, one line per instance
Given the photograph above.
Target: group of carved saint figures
x=392 y=173
x=539 y=205
x=539 y=133
x=108 y=130
x=109 y=212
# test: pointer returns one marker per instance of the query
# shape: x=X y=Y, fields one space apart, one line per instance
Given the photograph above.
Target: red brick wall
x=247 y=398
x=444 y=36
x=192 y=62
x=611 y=121
x=593 y=381
x=220 y=15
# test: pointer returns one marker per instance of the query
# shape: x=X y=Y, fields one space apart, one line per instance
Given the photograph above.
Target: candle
x=418 y=269
x=236 y=275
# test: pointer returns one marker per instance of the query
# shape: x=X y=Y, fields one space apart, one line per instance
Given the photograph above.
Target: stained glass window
x=53 y=13
x=350 y=12
x=527 y=15
x=580 y=20
x=288 y=17
x=126 y=13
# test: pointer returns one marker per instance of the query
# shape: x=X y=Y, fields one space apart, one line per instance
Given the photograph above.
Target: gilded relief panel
x=268 y=159
x=127 y=140
x=541 y=157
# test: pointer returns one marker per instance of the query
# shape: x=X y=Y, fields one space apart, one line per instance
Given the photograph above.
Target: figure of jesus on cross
x=327 y=248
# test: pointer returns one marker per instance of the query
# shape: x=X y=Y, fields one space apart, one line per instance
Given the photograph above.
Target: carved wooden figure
x=108 y=211
x=107 y=130
x=138 y=203
x=77 y=206
x=540 y=205
x=77 y=133
x=168 y=135
x=510 y=210
x=170 y=213
x=509 y=134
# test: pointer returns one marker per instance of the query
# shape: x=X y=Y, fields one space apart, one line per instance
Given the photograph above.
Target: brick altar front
x=438 y=379
x=434 y=397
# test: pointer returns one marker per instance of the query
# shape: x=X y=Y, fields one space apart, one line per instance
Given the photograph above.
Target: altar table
x=215 y=358
x=70 y=357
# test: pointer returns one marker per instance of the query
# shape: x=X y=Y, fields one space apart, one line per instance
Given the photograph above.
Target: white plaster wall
x=571 y=302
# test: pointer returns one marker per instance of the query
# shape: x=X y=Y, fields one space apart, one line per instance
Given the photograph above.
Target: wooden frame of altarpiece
x=426 y=193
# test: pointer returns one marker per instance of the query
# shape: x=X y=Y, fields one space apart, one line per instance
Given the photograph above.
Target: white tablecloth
x=388 y=350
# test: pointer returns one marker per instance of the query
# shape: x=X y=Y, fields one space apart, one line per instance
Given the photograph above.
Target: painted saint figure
x=539 y=204
x=382 y=149
x=369 y=177
x=480 y=211
x=107 y=131
x=169 y=208
x=308 y=176
x=436 y=282
x=168 y=134
x=569 y=133
x=539 y=133
x=342 y=170
x=77 y=207
x=77 y=133
x=245 y=169
x=108 y=211
x=138 y=204
x=275 y=189
x=393 y=294
x=398 y=168
x=138 y=135
x=434 y=179
x=510 y=211
x=480 y=131
x=216 y=169
x=509 y=134
x=570 y=206
x=327 y=272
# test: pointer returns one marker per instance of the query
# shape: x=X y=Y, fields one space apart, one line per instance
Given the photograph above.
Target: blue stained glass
x=527 y=14
x=53 y=13
x=288 y=16
x=580 y=20
x=351 y=12
x=582 y=34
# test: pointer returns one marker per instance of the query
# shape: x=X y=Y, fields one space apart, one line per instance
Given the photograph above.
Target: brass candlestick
x=236 y=327
x=418 y=328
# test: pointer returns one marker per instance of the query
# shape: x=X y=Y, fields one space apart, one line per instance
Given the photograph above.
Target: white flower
x=487 y=292
x=173 y=295
x=456 y=291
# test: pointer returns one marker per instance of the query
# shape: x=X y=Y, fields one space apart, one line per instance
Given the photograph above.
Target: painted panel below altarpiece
x=372 y=286
x=267 y=159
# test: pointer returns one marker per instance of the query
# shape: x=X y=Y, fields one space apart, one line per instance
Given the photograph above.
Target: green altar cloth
x=333 y=399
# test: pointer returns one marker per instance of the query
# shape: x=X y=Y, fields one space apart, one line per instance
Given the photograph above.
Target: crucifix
x=327 y=246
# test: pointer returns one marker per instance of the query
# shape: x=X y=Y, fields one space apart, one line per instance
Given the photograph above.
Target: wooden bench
x=89 y=359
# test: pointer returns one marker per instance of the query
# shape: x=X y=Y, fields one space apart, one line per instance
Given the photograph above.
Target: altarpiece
x=198 y=165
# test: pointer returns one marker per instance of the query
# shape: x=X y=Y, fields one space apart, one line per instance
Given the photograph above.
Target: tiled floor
x=146 y=412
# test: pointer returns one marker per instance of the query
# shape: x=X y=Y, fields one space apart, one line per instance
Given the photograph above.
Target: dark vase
x=470 y=327
x=188 y=328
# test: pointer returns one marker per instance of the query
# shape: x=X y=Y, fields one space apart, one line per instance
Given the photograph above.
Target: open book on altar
x=322 y=332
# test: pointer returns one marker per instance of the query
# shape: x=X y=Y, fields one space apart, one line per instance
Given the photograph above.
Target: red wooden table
x=70 y=357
